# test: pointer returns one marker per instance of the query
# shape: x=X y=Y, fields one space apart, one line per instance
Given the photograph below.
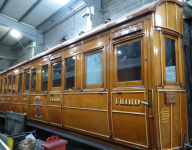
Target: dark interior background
x=188 y=54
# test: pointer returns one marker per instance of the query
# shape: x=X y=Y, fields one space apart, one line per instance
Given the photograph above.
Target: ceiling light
x=15 y=33
x=62 y=2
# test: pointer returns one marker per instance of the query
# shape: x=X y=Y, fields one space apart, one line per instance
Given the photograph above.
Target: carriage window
x=70 y=73
x=44 y=78
x=33 y=81
x=1 y=86
x=27 y=77
x=94 y=69
x=13 y=86
x=5 y=86
x=9 y=84
x=170 y=60
x=57 y=71
x=20 y=83
x=129 y=62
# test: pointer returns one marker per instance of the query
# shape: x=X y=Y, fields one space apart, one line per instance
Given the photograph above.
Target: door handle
x=144 y=102
x=152 y=103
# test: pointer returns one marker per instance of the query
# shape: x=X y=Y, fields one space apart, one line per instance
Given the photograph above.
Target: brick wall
x=23 y=55
x=5 y=62
x=117 y=8
x=70 y=28
x=97 y=18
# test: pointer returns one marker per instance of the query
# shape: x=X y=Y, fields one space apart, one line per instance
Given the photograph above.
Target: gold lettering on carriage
x=127 y=102
x=25 y=99
x=55 y=99
x=165 y=115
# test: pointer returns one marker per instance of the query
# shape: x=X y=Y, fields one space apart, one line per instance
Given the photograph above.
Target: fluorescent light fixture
x=62 y=2
x=15 y=33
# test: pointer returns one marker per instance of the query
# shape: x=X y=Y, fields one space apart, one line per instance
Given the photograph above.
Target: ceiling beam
x=3 y=6
x=69 y=14
x=5 y=35
x=30 y=9
x=70 y=8
x=89 y=3
x=25 y=30
x=50 y=17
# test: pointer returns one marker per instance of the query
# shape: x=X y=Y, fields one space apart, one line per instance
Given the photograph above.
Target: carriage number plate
x=170 y=97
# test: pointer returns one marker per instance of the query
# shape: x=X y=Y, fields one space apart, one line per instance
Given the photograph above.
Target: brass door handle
x=152 y=103
x=145 y=103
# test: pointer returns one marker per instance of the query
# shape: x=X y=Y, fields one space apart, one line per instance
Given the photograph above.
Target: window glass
x=70 y=73
x=9 y=85
x=13 y=86
x=1 y=86
x=57 y=71
x=27 y=76
x=94 y=69
x=5 y=86
x=170 y=60
x=129 y=62
x=33 y=81
x=44 y=78
x=20 y=83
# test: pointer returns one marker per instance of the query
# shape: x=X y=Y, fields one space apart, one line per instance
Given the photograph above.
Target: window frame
x=129 y=83
x=15 y=83
x=30 y=80
x=93 y=86
x=9 y=77
x=164 y=61
x=46 y=64
x=5 y=92
x=24 y=78
x=1 y=86
x=21 y=83
x=52 y=62
x=74 y=70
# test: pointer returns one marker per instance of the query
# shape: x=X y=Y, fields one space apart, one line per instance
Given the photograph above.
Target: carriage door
x=129 y=92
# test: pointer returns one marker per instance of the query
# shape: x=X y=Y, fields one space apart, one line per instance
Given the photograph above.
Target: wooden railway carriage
x=122 y=82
